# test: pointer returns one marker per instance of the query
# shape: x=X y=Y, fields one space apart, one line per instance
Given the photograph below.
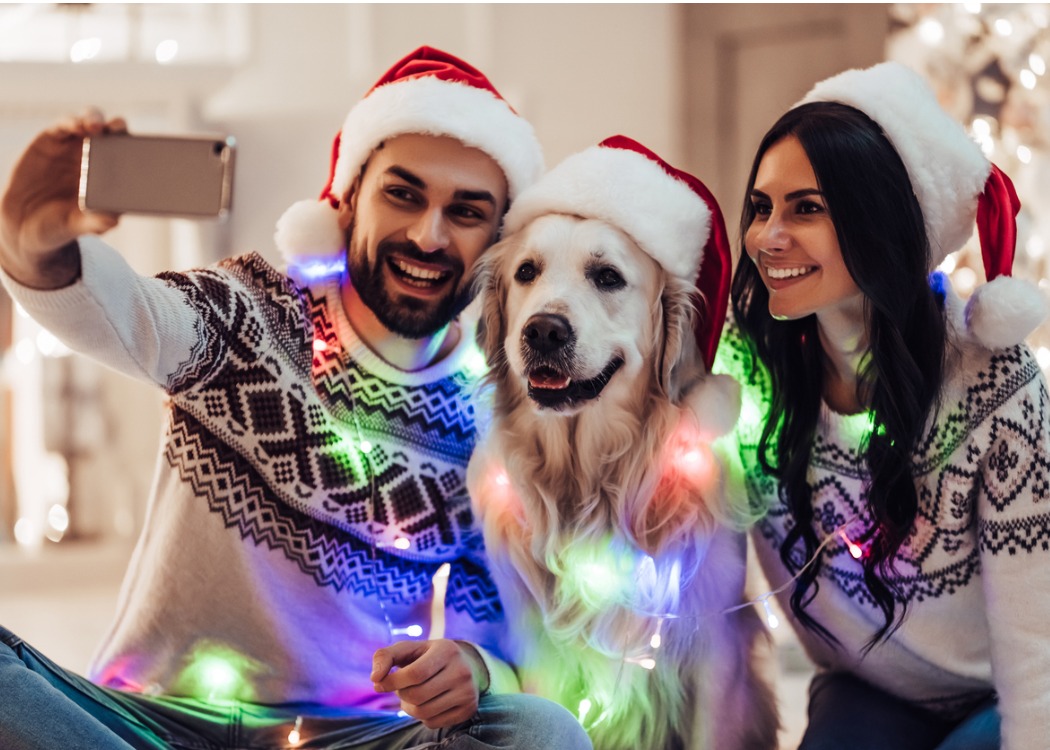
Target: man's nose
x=430 y=231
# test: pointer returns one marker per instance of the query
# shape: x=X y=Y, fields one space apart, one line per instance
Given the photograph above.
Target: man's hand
x=438 y=682
x=39 y=214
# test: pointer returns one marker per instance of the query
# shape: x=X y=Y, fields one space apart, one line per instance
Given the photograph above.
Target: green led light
x=857 y=427
x=474 y=362
x=217 y=674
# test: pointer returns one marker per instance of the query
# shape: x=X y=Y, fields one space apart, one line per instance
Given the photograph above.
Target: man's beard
x=408 y=316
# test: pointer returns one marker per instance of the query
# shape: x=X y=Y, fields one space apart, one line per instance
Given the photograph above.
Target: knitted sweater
x=976 y=568
x=305 y=495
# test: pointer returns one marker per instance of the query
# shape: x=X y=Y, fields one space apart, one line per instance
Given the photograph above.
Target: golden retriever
x=602 y=501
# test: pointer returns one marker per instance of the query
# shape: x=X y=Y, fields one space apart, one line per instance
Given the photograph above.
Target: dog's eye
x=526 y=272
x=608 y=278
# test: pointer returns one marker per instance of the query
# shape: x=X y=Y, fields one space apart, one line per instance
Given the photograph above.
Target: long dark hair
x=880 y=231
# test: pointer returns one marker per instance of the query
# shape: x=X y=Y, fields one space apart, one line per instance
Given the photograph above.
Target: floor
x=61 y=600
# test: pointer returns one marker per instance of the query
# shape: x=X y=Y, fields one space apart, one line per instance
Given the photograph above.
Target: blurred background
x=697 y=83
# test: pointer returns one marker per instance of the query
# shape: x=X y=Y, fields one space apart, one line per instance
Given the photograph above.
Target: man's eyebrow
x=407 y=176
x=475 y=195
x=461 y=195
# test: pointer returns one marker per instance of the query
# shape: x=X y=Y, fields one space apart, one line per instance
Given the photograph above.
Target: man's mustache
x=410 y=251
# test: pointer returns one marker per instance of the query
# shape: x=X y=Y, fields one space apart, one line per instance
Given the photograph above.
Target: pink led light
x=854 y=548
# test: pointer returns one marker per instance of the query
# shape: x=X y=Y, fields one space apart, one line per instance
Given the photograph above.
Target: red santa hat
x=669 y=213
x=428 y=92
x=955 y=186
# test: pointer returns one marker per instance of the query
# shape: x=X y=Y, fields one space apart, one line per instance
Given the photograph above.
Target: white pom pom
x=1001 y=313
x=309 y=231
x=715 y=401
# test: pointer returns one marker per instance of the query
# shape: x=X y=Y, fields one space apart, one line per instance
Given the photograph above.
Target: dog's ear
x=679 y=357
x=488 y=284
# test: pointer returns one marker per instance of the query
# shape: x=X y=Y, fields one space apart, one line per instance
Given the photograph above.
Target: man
x=309 y=498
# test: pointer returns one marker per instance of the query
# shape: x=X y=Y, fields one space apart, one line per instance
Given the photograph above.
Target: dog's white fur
x=559 y=493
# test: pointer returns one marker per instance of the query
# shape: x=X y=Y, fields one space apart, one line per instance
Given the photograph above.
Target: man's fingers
x=398 y=654
x=451 y=707
x=449 y=718
x=95 y=222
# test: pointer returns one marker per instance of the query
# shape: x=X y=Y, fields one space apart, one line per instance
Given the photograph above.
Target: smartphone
x=162 y=175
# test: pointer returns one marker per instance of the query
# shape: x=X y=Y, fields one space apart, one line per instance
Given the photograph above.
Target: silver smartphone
x=163 y=175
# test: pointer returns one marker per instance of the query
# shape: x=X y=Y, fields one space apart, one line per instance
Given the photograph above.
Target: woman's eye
x=761 y=209
x=526 y=272
x=609 y=278
x=809 y=207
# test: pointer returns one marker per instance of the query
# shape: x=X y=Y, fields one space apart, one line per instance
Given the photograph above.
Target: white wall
x=697 y=83
x=578 y=72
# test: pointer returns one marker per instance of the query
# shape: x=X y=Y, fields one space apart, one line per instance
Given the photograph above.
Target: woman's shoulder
x=985 y=379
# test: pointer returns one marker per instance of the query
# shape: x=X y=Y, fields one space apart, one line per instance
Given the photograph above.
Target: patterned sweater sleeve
x=173 y=330
x=137 y=325
x=1012 y=495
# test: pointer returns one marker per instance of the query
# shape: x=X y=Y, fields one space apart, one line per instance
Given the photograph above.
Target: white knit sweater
x=305 y=495
x=975 y=570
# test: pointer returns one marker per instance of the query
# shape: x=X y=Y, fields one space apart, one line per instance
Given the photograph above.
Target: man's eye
x=608 y=278
x=526 y=272
x=468 y=213
x=401 y=194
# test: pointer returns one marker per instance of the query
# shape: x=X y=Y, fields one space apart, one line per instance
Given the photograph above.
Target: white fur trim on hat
x=309 y=232
x=425 y=105
x=946 y=167
x=433 y=106
x=667 y=219
x=1004 y=311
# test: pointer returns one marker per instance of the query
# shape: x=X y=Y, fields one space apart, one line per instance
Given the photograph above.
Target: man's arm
x=40 y=218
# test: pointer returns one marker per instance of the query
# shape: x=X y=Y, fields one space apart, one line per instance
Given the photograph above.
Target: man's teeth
x=416 y=272
x=787 y=273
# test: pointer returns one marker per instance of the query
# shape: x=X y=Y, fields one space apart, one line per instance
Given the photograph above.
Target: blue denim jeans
x=846 y=712
x=45 y=707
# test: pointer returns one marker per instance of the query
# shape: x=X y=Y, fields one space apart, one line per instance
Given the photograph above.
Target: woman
x=898 y=444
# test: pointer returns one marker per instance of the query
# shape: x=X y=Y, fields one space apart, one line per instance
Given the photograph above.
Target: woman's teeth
x=788 y=273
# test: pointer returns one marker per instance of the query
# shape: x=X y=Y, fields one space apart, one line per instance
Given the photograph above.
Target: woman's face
x=792 y=239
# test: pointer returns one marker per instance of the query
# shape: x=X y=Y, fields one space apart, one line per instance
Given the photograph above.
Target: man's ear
x=348 y=205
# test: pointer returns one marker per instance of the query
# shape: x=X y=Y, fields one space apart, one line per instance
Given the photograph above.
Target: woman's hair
x=880 y=231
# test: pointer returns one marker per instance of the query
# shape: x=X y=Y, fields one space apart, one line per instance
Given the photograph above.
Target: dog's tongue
x=548 y=379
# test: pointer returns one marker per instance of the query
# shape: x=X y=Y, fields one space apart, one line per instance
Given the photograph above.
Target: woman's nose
x=772 y=233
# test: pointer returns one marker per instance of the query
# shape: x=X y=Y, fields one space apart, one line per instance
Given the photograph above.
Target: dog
x=602 y=501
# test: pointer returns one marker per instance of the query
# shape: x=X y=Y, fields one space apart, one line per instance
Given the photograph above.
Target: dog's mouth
x=553 y=389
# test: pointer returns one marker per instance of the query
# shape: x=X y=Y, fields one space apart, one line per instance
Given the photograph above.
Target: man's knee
x=534 y=722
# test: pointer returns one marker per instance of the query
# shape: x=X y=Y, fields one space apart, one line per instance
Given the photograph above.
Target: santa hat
x=669 y=213
x=955 y=185
x=428 y=92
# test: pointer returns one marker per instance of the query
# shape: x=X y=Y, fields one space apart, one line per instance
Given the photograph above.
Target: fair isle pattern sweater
x=976 y=568
x=306 y=492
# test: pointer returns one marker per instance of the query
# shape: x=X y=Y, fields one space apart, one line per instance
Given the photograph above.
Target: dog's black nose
x=547 y=332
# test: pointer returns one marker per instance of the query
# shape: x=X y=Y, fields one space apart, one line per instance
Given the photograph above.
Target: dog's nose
x=547 y=332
